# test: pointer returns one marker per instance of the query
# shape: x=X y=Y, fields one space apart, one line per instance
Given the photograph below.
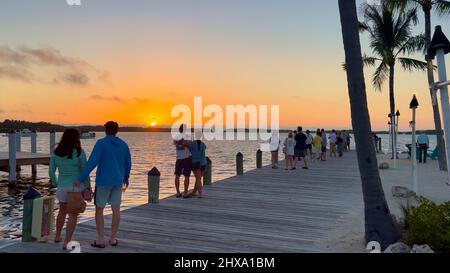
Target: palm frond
x=411 y=65
x=442 y=7
x=367 y=61
x=414 y=44
x=380 y=75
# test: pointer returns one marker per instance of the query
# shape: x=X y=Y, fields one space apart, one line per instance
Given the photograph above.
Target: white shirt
x=333 y=138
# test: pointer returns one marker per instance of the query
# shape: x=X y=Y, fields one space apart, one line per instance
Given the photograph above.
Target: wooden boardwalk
x=23 y=159
x=263 y=211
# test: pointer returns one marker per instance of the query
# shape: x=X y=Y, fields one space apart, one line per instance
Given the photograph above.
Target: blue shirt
x=112 y=158
x=198 y=153
x=423 y=139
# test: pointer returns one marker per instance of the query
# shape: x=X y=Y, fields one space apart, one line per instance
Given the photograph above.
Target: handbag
x=75 y=202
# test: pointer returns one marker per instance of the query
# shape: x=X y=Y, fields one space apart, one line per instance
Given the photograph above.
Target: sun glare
x=153 y=124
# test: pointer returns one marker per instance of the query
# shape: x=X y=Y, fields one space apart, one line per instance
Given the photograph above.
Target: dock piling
x=18 y=141
x=52 y=141
x=12 y=158
x=34 y=150
x=207 y=176
x=240 y=164
x=259 y=164
x=154 y=177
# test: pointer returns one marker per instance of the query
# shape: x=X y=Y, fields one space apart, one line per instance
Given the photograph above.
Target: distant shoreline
x=8 y=125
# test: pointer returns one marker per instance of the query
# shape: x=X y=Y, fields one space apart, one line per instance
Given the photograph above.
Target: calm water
x=148 y=150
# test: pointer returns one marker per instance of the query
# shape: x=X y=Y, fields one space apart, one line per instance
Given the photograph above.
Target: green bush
x=428 y=223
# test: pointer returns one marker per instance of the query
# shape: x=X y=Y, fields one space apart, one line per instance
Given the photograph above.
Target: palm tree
x=392 y=42
x=379 y=225
x=442 y=8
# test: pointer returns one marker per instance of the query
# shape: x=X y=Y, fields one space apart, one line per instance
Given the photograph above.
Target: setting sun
x=153 y=124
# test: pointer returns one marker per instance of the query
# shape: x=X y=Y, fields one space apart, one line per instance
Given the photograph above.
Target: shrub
x=428 y=223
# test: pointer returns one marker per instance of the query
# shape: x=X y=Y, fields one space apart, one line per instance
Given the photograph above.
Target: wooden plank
x=25 y=158
x=263 y=211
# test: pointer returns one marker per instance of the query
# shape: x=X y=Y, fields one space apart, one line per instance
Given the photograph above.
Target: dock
x=12 y=160
x=262 y=211
x=24 y=159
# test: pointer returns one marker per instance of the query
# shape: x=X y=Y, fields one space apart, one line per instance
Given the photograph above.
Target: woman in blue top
x=69 y=159
x=197 y=149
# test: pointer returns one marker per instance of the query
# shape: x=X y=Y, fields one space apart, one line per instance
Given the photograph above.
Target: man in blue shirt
x=424 y=143
x=112 y=158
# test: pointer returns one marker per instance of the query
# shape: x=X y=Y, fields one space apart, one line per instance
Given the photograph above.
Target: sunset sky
x=132 y=61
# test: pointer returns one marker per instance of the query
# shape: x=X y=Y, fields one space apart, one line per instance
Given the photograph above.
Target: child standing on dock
x=289 y=145
x=69 y=159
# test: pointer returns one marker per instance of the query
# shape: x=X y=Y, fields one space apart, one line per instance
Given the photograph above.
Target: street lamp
x=439 y=47
x=415 y=184
x=397 y=114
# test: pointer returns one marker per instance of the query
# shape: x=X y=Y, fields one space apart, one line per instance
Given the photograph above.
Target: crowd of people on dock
x=299 y=146
x=111 y=156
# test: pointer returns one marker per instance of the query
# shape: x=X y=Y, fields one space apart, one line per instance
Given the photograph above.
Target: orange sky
x=134 y=62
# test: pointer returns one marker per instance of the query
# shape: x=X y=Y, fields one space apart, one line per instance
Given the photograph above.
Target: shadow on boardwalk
x=316 y=210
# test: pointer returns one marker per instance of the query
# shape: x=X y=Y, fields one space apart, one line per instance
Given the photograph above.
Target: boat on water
x=87 y=135
x=25 y=133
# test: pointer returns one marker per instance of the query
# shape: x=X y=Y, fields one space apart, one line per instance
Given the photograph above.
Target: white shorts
x=61 y=192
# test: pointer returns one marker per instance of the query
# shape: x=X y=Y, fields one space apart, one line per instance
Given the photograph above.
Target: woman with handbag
x=69 y=159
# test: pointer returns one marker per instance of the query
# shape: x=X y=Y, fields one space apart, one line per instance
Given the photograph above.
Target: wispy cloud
x=104 y=98
x=22 y=63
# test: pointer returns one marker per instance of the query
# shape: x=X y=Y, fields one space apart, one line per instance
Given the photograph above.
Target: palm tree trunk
x=379 y=225
x=392 y=109
x=437 y=117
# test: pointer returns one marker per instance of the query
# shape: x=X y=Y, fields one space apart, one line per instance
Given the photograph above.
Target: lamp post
x=397 y=115
x=390 y=133
x=415 y=184
x=439 y=47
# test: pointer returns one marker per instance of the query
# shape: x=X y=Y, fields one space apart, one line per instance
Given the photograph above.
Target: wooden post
x=207 y=175
x=12 y=158
x=33 y=150
x=52 y=141
x=18 y=141
x=18 y=147
x=240 y=164
x=259 y=164
x=27 y=219
x=380 y=148
x=154 y=177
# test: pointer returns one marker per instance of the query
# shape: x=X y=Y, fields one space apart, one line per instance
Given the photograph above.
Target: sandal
x=115 y=244
x=98 y=245
x=179 y=195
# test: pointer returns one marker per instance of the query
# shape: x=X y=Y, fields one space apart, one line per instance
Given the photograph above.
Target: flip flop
x=179 y=195
x=98 y=245
x=115 y=244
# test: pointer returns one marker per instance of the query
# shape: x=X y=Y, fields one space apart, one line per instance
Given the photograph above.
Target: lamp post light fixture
x=415 y=184
x=439 y=47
